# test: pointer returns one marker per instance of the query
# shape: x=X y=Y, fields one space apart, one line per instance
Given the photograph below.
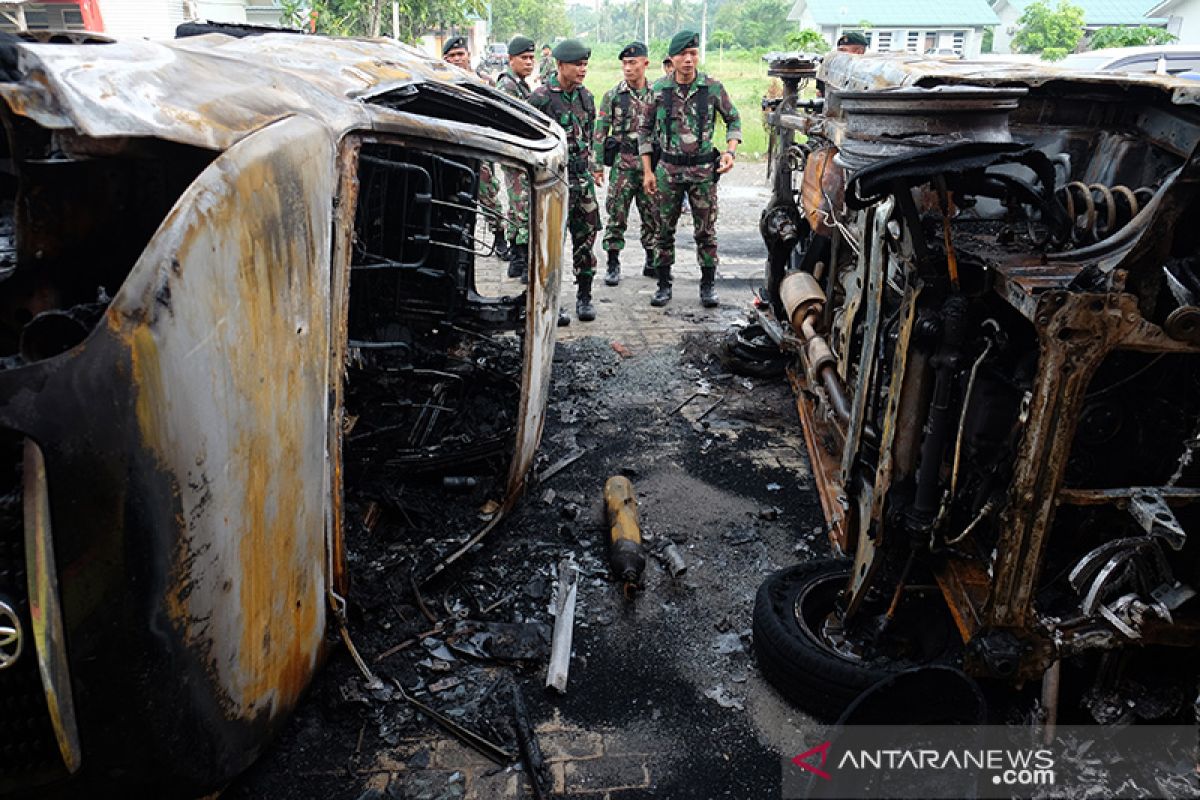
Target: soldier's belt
x=690 y=161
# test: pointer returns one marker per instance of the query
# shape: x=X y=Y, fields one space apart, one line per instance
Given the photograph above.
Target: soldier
x=455 y=52
x=852 y=42
x=615 y=144
x=679 y=123
x=512 y=82
x=565 y=100
x=546 y=66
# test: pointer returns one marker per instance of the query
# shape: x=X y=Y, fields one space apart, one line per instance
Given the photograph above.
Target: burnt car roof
x=901 y=70
x=212 y=91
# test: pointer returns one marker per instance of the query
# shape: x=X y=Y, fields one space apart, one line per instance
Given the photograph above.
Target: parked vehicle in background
x=495 y=58
x=224 y=265
x=1165 y=59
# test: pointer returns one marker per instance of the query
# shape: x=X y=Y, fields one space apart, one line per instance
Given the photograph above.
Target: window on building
x=913 y=43
x=37 y=19
x=72 y=19
x=883 y=41
x=960 y=41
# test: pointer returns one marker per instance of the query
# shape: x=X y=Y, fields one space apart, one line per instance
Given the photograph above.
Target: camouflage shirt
x=546 y=69
x=512 y=85
x=575 y=112
x=678 y=135
x=618 y=116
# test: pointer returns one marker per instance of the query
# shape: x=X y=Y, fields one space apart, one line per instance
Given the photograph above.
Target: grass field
x=744 y=75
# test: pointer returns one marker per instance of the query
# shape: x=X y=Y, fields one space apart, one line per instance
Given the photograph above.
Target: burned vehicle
x=987 y=279
x=223 y=258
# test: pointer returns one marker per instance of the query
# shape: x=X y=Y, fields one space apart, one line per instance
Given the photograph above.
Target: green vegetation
x=1053 y=32
x=743 y=73
x=541 y=20
x=1141 y=36
x=374 y=17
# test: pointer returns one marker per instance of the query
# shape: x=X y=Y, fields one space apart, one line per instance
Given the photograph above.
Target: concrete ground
x=664 y=698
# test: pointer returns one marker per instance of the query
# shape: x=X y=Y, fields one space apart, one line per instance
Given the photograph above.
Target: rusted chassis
x=187 y=452
x=1080 y=307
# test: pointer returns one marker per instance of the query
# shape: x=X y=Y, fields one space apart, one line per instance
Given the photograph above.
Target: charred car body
x=989 y=279
x=211 y=248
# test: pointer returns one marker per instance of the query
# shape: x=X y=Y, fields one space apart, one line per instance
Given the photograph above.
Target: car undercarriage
x=990 y=292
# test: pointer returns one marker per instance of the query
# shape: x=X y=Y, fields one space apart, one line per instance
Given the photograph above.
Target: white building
x=912 y=26
x=151 y=19
x=1097 y=14
x=1183 y=19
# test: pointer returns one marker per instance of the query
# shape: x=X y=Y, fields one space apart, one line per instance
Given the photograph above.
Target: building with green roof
x=912 y=26
x=1097 y=14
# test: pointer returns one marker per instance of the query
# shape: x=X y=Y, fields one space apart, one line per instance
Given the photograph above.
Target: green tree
x=808 y=41
x=1139 y=36
x=721 y=39
x=373 y=17
x=754 y=23
x=989 y=40
x=1042 y=28
x=541 y=20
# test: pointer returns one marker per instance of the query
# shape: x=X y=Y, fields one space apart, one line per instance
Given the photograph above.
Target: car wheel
x=821 y=669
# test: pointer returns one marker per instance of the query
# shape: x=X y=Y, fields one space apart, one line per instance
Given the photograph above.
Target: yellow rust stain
x=268 y=590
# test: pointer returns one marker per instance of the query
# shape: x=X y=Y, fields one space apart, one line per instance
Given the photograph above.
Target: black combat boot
x=663 y=295
x=564 y=319
x=613 y=276
x=518 y=266
x=648 y=269
x=500 y=247
x=583 y=299
x=708 y=290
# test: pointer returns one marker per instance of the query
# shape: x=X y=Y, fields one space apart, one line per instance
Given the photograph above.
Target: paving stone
x=608 y=773
x=571 y=745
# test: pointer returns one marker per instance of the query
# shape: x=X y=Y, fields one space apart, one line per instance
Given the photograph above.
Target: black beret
x=520 y=45
x=633 y=50
x=682 y=41
x=454 y=43
x=570 y=50
x=853 y=37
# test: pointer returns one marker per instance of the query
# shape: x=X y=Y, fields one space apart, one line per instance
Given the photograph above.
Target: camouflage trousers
x=702 y=197
x=516 y=181
x=583 y=222
x=625 y=188
x=489 y=197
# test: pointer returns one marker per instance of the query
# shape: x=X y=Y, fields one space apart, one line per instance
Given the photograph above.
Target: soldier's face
x=459 y=57
x=522 y=64
x=634 y=68
x=856 y=49
x=572 y=73
x=685 y=64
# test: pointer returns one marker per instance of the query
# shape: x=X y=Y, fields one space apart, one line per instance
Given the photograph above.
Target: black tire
x=749 y=351
x=797 y=661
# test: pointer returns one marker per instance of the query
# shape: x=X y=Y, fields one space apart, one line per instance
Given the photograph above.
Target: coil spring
x=1098 y=211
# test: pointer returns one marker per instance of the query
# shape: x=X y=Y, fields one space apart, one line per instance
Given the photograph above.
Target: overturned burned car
x=988 y=279
x=221 y=259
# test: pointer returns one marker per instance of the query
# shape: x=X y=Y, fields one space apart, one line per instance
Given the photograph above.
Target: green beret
x=633 y=50
x=682 y=41
x=454 y=43
x=570 y=50
x=853 y=37
x=520 y=45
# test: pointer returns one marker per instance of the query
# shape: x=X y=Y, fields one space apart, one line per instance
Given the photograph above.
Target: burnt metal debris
x=986 y=283
x=238 y=306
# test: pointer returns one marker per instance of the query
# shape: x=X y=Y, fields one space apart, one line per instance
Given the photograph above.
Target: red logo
x=822 y=750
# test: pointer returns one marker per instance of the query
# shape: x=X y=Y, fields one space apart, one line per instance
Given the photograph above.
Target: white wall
x=145 y=19
x=1002 y=39
x=1185 y=21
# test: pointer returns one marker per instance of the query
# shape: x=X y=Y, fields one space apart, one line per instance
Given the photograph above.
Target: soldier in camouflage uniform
x=512 y=82
x=455 y=52
x=546 y=66
x=615 y=143
x=679 y=123
x=565 y=100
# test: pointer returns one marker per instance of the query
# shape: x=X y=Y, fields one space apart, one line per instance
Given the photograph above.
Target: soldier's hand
x=598 y=176
x=726 y=164
x=649 y=183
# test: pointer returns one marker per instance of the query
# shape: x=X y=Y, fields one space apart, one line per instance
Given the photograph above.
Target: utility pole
x=646 y=22
x=704 y=31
